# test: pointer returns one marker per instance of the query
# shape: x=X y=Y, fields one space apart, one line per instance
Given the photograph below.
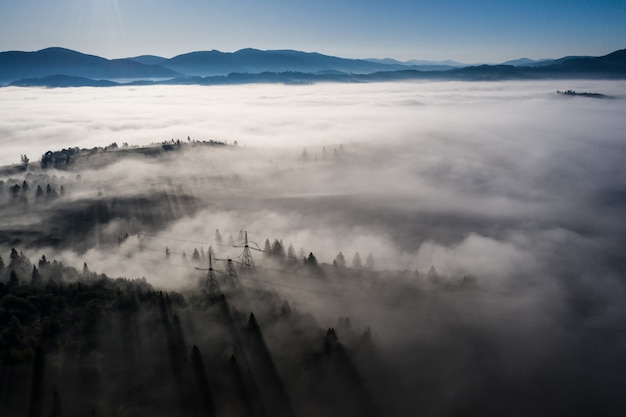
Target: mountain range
x=60 y=67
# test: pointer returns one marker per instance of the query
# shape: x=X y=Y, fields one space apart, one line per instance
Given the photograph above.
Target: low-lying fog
x=520 y=188
x=473 y=176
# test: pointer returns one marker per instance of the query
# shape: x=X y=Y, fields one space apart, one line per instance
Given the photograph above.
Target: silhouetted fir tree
x=15 y=259
x=39 y=193
x=25 y=186
x=277 y=249
x=311 y=260
x=291 y=255
x=36 y=280
x=330 y=340
x=13 y=279
x=252 y=324
x=43 y=262
x=184 y=256
x=196 y=255
x=167 y=252
x=85 y=269
x=356 y=261
x=267 y=249
x=15 y=190
x=62 y=191
x=218 y=237
x=344 y=323
x=340 y=260
x=48 y=190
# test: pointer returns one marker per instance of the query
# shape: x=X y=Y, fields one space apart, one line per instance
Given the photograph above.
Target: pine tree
x=15 y=259
x=39 y=193
x=13 y=279
x=340 y=261
x=277 y=249
x=35 y=277
x=43 y=262
x=252 y=324
x=356 y=261
x=291 y=255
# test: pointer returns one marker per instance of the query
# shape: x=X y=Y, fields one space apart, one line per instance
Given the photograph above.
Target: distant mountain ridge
x=59 y=67
x=208 y=63
x=15 y=65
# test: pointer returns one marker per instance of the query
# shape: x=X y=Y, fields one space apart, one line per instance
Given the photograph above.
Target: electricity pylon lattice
x=211 y=286
x=231 y=274
x=247 y=263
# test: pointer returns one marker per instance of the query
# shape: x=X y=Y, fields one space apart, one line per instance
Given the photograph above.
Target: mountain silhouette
x=15 y=65
x=148 y=59
x=206 y=63
x=58 y=67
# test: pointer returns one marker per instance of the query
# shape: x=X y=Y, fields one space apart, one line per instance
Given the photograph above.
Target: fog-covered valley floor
x=480 y=226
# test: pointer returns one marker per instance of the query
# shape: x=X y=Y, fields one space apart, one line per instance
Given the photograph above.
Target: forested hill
x=79 y=343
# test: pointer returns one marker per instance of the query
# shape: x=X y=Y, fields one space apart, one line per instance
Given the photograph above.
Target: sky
x=468 y=31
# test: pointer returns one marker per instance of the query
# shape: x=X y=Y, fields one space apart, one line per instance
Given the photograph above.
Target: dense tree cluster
x=33 y=189
x=78 y=343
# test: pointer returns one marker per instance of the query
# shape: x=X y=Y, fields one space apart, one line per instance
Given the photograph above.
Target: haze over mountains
x=64 y=67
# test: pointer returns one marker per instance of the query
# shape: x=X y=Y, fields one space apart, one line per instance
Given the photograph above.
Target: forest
x=196 y=278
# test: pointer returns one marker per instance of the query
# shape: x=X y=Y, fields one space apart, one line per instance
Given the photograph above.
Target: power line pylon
x=211 y=286
x=247 y=263
x=231 y=274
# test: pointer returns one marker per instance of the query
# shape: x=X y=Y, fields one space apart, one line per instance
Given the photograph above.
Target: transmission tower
x=247 y=264
x=231 y=274
x=211 y=287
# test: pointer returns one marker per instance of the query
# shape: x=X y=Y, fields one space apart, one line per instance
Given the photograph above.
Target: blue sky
x=467 y=31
